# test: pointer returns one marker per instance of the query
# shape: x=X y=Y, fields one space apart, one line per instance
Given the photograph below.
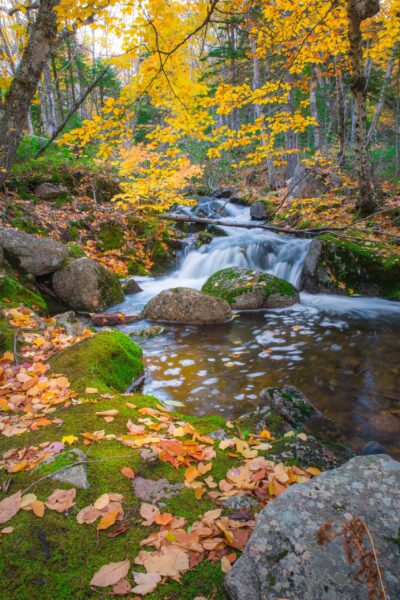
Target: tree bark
x=13 y=119
x=358 y=11
x=341 y=118
x=381 y=101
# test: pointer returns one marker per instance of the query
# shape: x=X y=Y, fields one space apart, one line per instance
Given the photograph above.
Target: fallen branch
x=273 y=228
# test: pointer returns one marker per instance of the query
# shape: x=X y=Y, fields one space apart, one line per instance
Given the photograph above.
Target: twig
x=376 y=557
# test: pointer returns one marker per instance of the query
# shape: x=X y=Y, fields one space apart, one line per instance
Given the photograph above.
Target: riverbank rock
x=85 y=285
x=131 y=286
x=34 y=255
x=246 y=289
x=108 y=360
x=261 y=210
x=184 y=305
x=310 y=182
x=50 y=191
x=291 y=554
x=343 y=267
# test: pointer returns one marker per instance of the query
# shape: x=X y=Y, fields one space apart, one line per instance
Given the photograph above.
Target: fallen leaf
x=225 y=564
x=61 y=500
x=102 y=501
x=122 y=587
x=38 y=508
x=69 y=439
x=10 y=506
x=111 y=573
x=91 y=390
x=146 y=582
x=108 y=519
x=128 y=472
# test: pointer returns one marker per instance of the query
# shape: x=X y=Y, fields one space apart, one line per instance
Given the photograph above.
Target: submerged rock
x=184 y=305
x=85 y=285
x=287 y=557
x=37 y=256
x=246 y=289
x=335 y=266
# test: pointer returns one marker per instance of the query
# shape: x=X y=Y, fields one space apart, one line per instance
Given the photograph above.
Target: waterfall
x=254 y=248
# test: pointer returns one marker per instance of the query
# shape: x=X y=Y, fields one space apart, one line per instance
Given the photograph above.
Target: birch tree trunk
x=14 y=116
x=358 y=11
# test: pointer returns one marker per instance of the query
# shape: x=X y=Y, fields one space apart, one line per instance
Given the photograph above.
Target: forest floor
x=158 y=480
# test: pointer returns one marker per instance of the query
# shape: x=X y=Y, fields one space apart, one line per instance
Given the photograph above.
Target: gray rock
x=283 y=558
x=184 y=305
x=37 y=256
x=149 y=456
x=218 y=434
x=240 y=502
x=260 y=211
x=315 y=277
x=153 y=490
x=290 y=404
x=49 y=191
x=130 y=286
x=85 y=285
x=77 y=475
x=372 y=447
x=73 y=325
x=312 y=183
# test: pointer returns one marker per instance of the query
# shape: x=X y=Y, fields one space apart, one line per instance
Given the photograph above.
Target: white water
x=257 y=249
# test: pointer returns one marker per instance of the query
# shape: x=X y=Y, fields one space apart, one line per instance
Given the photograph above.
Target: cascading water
x=341 y=352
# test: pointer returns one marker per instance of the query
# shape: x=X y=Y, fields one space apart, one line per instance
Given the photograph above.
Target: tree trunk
x=13 y=119
x=341 y=118
x=292 y=158
x=314 y=113
x=381 y=101
x=358 y=11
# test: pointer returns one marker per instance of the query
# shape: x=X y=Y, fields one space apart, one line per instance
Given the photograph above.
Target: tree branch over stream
x=312 y=232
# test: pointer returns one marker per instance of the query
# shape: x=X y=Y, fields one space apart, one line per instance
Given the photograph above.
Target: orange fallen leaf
x=108 y=519
x=128 y=472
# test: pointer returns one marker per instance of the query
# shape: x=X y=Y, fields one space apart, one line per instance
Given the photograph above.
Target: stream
x=343 y=353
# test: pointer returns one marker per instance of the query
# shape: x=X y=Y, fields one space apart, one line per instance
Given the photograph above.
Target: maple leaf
x=69 y=439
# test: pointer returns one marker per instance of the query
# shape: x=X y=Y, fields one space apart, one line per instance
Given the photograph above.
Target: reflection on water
x=341 y=352
x=349 y=367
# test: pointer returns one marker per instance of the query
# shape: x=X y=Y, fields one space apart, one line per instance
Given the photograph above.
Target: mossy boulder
x=184 y=305
x=246 y=289
x=335 y=266
x=108 y=360
x=85 y=285
x=262 y=210
x=14 y=293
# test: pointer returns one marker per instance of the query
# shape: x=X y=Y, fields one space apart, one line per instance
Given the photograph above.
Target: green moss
x=110 y=235
x=75 y=251
x=13 y=293
x=110 y=288
x=233 y=282
x=361 y=268
x=108 y=360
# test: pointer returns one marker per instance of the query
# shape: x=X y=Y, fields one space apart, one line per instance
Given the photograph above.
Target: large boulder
x=246 y=289
x=310 y=182
x=261 y=210
x=49 y=191
x=37 y=256
x=292 y=553
x=85 y=285
x=184 y=305
x=335 y=266
x=108 y=360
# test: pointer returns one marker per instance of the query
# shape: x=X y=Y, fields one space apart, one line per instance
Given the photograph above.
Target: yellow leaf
x=69 y=439
x=108 y=519
x=313 y=471
x=191 y=474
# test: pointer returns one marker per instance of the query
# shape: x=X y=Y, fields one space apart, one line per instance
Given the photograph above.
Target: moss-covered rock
x=107 y=360
x=13 y=293
x=348 y=267
x=246 y=289
x=83 y=284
